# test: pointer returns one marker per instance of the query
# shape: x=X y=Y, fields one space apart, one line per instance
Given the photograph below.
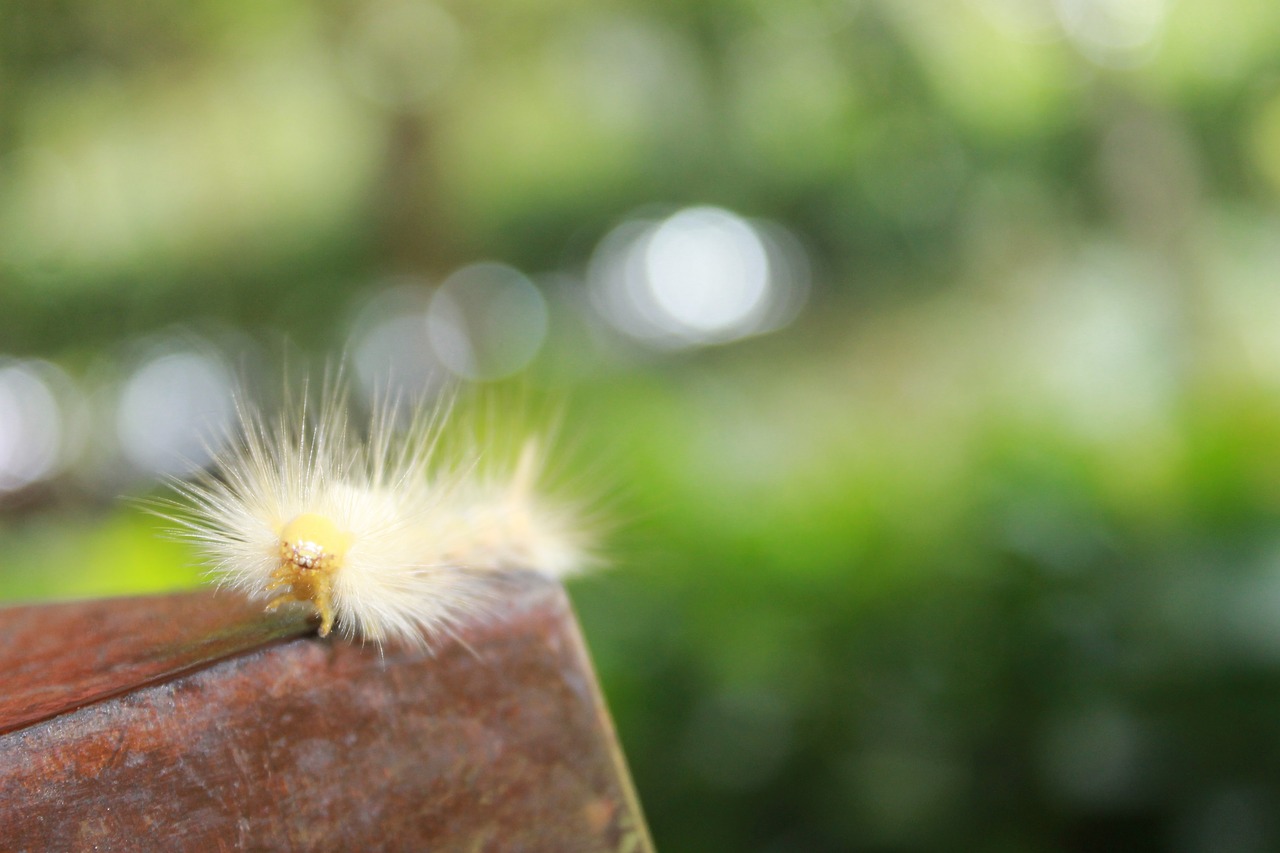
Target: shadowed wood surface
x=55 y=658
x=196 y=722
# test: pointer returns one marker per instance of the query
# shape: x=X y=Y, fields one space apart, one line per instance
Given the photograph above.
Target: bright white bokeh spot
x=487 y=321
x=31 y=426
x=707 y=270
x=701 y=276
x=390 y=348
x=171 y=408
x=1114 y=33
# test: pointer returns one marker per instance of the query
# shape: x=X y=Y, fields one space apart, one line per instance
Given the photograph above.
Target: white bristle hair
x=435 y=512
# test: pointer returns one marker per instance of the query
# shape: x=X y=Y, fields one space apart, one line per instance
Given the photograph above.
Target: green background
x=981 y=551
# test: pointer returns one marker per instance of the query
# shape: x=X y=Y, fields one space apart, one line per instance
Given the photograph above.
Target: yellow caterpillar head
x=312 y=542
x=312 y=549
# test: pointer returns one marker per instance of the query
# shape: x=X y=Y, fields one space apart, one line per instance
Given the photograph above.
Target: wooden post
x=197 y=722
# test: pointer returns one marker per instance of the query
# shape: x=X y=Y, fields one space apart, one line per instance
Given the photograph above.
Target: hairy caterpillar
x=392 y=533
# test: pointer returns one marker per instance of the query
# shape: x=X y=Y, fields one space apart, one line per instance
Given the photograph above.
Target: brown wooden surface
x=55 y=658
x=196 y=722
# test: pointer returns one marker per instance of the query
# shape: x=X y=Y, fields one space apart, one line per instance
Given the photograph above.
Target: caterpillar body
x=390 y=533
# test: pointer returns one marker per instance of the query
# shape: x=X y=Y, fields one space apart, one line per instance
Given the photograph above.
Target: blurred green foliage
x=983 y=552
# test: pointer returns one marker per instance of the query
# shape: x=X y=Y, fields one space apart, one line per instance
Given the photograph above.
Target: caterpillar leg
x=314 y=588
x=275 y=603
x=324 y=606
x=316 y=593
x=311 y=553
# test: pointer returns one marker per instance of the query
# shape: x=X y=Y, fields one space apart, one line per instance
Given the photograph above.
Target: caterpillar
x=394 y=532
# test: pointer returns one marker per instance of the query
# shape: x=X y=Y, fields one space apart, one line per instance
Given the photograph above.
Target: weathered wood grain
x=197 y=723
x=55 y=658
